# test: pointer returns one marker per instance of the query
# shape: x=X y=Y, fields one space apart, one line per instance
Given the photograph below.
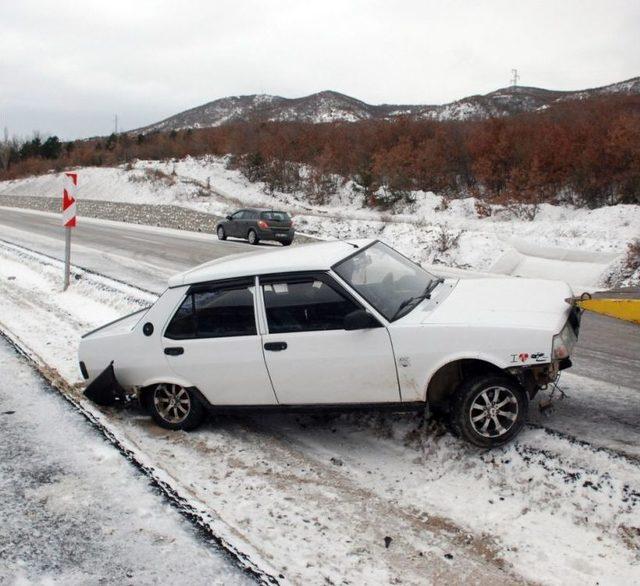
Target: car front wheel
x=221 y=233
x=252 y=237
x=488 y=411
x=175 y=407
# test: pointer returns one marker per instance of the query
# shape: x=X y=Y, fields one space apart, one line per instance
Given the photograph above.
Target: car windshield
x=275 y=216
x=391 y=283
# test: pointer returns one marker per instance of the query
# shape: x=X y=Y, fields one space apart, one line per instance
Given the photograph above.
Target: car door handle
x=275 y=346
x=174 y=350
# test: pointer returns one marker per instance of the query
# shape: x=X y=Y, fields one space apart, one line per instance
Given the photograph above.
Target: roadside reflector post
x=69 y=193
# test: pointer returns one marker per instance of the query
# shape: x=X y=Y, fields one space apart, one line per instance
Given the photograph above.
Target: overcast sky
x=67 y=67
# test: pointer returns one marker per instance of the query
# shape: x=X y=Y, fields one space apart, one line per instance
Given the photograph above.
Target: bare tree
x=5 y=150
x=446 y=239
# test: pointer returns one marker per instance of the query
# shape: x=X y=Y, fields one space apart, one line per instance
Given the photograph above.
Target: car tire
x=488 y=411
x=287 y=242
x=222 y=235
x=252 y=237
x=186 y=412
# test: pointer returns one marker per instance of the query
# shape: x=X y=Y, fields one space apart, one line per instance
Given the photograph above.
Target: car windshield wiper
x=432 y=285
x=426 y=294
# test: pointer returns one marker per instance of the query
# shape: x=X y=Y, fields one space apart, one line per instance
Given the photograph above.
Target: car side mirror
x=228 y=217
x=360 y=319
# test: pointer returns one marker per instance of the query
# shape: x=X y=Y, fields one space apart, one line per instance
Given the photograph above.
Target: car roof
x=260 y=210
x=318 y=256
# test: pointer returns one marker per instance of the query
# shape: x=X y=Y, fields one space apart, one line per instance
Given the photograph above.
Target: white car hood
x=499 y=302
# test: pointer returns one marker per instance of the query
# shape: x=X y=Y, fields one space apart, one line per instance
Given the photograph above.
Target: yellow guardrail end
x=625 y=309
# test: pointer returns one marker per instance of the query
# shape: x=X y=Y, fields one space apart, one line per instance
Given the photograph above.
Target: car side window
x=305 y=305
x=238 y=215
x=214 y=312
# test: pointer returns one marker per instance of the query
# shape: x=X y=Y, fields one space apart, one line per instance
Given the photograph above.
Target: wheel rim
x=220 y=233
x=252 y=237
x=494 y=412
x=172 y=402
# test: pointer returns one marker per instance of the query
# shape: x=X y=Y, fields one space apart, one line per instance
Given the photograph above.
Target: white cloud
x=67 y=67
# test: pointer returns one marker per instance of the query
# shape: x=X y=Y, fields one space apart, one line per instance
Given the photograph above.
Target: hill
x=330 y=106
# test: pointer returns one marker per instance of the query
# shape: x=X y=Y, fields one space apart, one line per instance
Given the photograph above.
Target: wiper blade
x=426 y=294
x=403 y=305
x=432 y=285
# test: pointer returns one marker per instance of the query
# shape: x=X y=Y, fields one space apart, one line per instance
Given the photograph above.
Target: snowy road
x=136 y=254
x=74 y=511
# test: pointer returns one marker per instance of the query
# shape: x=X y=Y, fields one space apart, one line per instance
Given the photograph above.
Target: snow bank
x=430 y=229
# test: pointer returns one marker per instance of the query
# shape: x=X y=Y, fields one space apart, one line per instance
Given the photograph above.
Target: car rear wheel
x=175 y=407
x=252 y=237
x=488 y=411
x=287 y=242
x=221 y=233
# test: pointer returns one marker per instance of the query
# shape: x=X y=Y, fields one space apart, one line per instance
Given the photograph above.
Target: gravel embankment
x=165 y=216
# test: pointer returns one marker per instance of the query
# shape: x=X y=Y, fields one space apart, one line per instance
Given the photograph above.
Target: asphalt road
x=139 y=255
x=608 y=350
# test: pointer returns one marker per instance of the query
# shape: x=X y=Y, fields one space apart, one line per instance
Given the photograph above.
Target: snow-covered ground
x=74 y=511
x=584 y=246
x=315 y=497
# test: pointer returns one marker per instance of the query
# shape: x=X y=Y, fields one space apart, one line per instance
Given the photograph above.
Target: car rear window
x=214 y=312
x=275 y=216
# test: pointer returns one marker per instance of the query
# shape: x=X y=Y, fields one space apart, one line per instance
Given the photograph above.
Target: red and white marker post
x=68 y=219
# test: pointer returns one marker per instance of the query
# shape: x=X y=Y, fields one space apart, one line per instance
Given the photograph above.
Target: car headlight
x=563 y=343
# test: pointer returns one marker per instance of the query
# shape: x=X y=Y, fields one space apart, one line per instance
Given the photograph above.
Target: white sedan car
x=337 y=325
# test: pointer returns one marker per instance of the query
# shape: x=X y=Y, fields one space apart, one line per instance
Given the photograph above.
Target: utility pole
x=514 y=77
x=115 y=131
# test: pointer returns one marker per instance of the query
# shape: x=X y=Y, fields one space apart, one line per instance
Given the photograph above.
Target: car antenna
x=352 y=244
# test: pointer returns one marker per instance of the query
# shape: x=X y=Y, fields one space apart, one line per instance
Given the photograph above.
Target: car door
x=250 y=220
x=310 y=357
x=235 y=225
x=212 y=341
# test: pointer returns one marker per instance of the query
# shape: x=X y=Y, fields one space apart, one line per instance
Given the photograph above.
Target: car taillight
x=262 y=224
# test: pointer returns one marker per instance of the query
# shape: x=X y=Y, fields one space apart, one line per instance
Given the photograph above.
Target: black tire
x=186 y=416
x=488 y=411
x=287 y=242
x=252 y=237
x=222 y=235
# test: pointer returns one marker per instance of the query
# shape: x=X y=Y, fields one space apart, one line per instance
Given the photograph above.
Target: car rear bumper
x=280 y=234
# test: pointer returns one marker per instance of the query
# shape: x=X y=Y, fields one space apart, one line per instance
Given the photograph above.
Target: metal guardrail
x=624 y=309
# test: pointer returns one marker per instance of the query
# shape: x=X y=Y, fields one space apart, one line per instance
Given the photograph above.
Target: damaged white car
x=337 y=325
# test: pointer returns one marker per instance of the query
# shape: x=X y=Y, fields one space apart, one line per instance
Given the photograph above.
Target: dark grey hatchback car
x=255 y=225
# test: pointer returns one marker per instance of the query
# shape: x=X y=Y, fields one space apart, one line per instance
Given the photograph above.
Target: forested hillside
x=586 y=152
